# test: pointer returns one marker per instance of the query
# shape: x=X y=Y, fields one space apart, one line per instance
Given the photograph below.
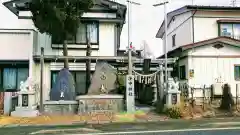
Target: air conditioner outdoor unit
x=217 y=89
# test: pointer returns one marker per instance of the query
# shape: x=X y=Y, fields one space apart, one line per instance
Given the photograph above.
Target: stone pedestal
x=172 y=93
x=172 y=98
x=100 y=103
x=61 y=107
x=27 y=106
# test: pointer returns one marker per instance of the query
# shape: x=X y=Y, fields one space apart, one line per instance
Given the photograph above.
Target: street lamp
x=165 y=41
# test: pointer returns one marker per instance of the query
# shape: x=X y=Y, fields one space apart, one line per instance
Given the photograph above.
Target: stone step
x=25 y=113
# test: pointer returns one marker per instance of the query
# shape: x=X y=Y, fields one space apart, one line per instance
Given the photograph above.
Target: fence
x=204 y=95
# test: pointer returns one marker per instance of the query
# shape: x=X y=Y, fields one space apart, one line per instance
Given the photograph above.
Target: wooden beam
x=117 y=58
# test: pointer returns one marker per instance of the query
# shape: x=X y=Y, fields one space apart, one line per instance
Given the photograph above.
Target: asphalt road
x=179 y=127
x=219 y=131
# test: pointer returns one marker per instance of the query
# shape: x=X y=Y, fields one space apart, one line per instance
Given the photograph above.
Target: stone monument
x=27 y=103
x=172 y=93
x=64 y=88
x=101 y=95
x=62 y=95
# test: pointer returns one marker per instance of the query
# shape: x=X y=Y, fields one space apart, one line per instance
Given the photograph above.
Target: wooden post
x=41 y=79
x=204 y=94
x=158 y=86
x=236 y=96
x=192 y=102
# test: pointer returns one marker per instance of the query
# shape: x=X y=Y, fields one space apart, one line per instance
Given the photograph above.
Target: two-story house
x=22 y=44
x=206 y=41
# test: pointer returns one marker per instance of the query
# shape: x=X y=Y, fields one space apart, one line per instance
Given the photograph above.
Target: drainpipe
x=193 y=41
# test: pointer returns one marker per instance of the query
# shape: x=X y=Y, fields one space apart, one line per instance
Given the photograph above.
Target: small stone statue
x=23 y=86
x=27 y=85
x=173 y=84
x=176 y=83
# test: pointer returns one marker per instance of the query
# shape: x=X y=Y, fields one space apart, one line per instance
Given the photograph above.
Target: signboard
x=191 y=73
x=130 y=93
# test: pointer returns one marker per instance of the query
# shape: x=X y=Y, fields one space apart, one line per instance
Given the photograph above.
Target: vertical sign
x=130 y=93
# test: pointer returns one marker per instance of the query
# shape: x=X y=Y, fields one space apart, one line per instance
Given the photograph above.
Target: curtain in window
x=226 y=30
x=54 y=78
x=236 y=31
x=9 y=78
x=237 y=72
x=80 y=83
x=81 y=34
x=93 y=32
x=22 y=75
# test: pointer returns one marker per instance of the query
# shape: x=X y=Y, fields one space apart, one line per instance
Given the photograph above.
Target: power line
x=233 y=3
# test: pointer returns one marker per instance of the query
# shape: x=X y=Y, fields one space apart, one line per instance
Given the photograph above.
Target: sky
x=146 y=20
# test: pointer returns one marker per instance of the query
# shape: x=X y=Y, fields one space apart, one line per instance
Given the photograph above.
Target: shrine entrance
x=1 y=102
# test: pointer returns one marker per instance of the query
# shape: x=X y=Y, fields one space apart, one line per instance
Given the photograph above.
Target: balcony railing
x=231 y=36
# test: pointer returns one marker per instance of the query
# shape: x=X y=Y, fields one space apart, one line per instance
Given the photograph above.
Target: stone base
x=172 y=100
x=60 y=107
x=25 y=112
x=100 y=103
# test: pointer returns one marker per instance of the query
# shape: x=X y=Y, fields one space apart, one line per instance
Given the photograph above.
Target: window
x=237 y=72
x=85 y=30
x=12 y=78
x=182 y=72
x=230 y=30
x=174 y=40
x=79 y=78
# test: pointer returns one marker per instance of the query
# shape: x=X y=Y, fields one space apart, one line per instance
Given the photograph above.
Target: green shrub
x=173 y=112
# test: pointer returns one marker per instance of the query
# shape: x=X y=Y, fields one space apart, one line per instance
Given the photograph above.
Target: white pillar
x=31 y=61
x=7 y=103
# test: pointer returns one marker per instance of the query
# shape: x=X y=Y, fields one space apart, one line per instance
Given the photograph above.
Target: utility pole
x=165 y=40
x=129 y=36
x=233 y=3
x=130 y=96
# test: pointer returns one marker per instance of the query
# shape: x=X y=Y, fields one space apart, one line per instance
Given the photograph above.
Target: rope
x=149 y=75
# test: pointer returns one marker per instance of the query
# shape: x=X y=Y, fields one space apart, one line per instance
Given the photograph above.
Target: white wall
x=182 y=27
x=16 y=45
x=106 y=33
x=210 y=64
x=206 y=28
x=106 y=43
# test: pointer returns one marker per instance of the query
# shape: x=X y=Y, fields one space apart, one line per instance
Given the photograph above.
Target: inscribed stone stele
x=104 y=76
x=64 y=87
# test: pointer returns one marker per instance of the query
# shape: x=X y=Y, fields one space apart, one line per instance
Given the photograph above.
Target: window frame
x=182 y=76
x=16 y=79
x=234 y=72
x=174 y=40
x=232 y=26
x=75 y=37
